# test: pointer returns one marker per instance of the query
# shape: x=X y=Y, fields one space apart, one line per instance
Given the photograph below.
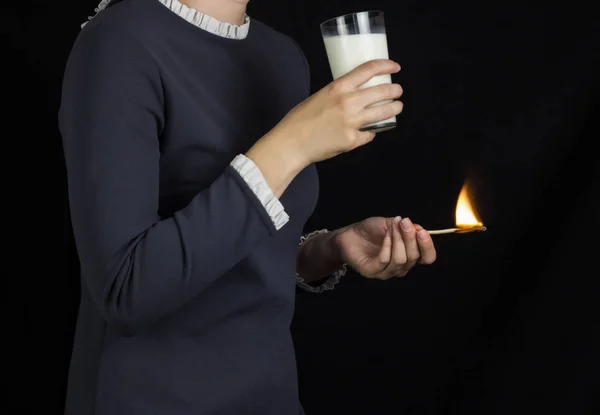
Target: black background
x=499 y=94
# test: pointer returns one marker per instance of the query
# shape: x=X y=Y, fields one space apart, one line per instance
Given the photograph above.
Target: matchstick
x=458 y=230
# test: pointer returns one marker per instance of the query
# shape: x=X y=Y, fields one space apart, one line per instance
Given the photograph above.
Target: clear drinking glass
x=353 y=39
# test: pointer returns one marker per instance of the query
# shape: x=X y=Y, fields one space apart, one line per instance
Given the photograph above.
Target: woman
x=190 y=147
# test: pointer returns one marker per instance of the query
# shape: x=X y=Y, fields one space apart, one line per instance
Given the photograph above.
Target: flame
x=466 y=217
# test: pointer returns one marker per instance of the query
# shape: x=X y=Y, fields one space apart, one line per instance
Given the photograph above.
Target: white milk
x=346 y=52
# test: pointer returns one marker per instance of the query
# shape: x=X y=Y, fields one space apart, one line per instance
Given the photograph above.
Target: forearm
x=318 y=257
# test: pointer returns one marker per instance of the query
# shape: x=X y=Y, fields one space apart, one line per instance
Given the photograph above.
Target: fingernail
x=423 y=235
x=398 y=67
x=397 y=219
x=406 y=224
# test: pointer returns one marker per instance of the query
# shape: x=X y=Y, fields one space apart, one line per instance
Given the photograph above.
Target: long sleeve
x=137 y=266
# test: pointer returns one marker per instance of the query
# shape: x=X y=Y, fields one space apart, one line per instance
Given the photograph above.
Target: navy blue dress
x=188 y=286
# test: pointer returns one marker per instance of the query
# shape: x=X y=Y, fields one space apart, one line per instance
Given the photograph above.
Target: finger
x=379 y=112
x=365 y=72
x=409 y=235
x=426 y=247
x=385 y=254
x=369 y=96
x=399 y=257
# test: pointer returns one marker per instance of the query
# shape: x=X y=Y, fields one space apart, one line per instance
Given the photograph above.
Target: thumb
x=385 y=254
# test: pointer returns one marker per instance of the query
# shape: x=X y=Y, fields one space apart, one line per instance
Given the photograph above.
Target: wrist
x=335 y=247
x=277 y=161
x=319 y=256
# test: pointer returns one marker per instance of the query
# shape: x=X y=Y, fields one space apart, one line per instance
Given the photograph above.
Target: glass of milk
x=352 y=40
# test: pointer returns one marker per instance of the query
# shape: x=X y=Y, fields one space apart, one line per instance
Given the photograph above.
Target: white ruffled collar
x=197 y=18
x=205 y=22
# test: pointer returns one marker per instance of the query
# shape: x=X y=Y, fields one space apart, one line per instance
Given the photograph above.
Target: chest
x=218 y=107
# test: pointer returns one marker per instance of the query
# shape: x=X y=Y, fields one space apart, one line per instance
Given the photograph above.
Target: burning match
x=466 y=218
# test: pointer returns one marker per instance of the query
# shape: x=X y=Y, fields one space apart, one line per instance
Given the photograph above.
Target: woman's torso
x=228 y=350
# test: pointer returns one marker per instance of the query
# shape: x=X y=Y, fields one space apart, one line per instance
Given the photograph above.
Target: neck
x=227 y=11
